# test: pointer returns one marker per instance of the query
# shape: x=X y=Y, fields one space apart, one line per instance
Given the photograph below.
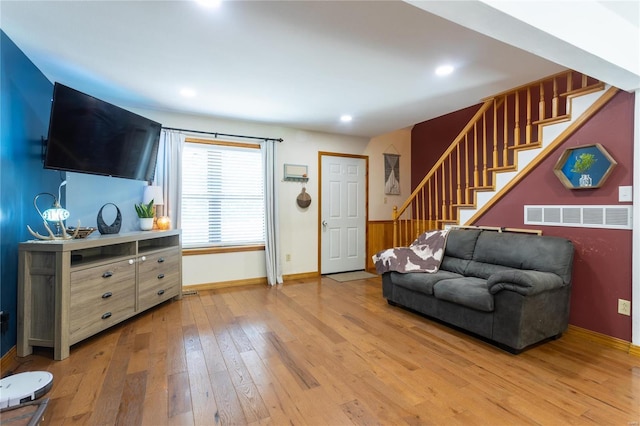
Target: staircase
x=498 y=147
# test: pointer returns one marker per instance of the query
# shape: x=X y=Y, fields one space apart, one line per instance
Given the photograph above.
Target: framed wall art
x=296 y=172
x=392 y=174
x=584 y=167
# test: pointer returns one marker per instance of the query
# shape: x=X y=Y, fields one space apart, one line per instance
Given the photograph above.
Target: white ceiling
x=299 y=64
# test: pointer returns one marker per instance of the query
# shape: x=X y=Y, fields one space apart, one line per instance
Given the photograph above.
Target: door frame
x=366 y=202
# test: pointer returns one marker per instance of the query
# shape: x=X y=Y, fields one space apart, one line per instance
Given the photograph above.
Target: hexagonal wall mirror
x=584 y=167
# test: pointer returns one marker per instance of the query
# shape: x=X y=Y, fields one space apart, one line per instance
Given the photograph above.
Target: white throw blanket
x=423 y=255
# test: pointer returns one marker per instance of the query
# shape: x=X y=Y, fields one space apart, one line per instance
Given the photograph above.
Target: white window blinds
x=222 y=195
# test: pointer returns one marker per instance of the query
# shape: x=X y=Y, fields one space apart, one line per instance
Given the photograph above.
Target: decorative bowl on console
x=83 y=232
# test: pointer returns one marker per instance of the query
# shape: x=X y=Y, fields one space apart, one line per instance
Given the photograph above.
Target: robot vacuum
x=24 y=387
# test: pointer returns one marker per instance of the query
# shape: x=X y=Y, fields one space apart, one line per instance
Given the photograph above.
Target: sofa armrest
x=525 y=282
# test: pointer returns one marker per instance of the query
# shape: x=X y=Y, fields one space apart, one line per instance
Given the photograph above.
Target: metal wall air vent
x=612 y=217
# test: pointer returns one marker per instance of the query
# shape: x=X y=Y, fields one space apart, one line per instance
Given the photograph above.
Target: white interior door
x=343 y=214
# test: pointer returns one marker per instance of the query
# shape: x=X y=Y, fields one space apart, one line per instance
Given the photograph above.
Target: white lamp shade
x=154 y=193
x=55 y=214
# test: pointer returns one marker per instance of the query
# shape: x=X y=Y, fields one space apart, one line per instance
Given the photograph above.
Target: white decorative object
x=146 y=223
x=585 y=180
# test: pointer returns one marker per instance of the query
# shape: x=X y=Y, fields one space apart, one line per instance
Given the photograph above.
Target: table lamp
x=153 y=192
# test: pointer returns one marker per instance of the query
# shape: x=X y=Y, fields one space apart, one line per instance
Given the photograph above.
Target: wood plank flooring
x=319 y=352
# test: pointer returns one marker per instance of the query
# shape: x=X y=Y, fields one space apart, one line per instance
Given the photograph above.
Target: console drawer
x=101 y=297
x=158 y=278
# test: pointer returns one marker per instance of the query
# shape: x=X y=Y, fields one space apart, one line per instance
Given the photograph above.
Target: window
x=222 y=194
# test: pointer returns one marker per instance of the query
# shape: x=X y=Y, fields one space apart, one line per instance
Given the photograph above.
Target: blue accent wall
x=86 y=194
x=25 y=103
x=25 y=107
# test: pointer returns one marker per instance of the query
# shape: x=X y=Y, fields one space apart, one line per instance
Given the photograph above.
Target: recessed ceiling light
x=443 y=70
x=209 y=3
x=188 y=93
x=346 y=118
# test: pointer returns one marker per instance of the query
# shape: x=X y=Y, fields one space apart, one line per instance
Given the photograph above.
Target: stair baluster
x=452 y=181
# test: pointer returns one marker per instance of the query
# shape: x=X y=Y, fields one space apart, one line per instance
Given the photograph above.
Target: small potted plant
x=145 y=212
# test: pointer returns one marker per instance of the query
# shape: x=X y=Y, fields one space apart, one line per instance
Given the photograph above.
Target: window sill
x=217 y=250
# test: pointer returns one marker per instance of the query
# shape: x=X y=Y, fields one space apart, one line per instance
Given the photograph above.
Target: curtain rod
x=223 y=134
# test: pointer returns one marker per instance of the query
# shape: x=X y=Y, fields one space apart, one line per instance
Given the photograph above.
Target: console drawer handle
x=160 y=259
x=107 y=274
x=106 y=315
x=107 y=295
x=161 y=276
x=160 y=292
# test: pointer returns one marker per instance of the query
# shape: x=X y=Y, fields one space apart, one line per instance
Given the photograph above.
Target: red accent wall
x=602 y=262
x=430 y=139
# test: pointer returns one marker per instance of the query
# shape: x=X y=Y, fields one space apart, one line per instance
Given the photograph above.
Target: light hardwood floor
x=319 y=352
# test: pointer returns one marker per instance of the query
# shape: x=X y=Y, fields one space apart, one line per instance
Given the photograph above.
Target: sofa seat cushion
x=421 y=282
x=471 y=292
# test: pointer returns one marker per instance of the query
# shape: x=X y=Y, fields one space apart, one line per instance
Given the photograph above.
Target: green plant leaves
x=583 y=163
x=145 y=210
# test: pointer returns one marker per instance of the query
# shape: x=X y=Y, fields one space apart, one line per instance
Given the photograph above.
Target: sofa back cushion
x=525 y=251
x=459 y=250
x=461 y=243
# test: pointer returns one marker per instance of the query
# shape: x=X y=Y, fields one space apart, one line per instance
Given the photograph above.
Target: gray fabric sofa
x=512 y=289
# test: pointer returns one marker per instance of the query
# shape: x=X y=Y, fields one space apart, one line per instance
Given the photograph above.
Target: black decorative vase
x=114 y=228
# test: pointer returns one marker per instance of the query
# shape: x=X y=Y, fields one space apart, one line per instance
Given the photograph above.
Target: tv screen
x=87 y=135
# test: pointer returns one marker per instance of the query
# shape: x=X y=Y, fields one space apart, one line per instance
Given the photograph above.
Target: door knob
x=324 y=223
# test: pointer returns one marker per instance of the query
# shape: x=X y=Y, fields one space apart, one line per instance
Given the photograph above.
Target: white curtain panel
x=169 y=172
x=271 y=216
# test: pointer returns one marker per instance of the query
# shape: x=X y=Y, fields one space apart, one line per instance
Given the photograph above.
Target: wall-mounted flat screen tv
x=87 y=135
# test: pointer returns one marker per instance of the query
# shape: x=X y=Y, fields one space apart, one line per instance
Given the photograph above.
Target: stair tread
x=503 y=169
x=482 y=188
x=531 y=145
x=558 y=119
x=584 y=90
